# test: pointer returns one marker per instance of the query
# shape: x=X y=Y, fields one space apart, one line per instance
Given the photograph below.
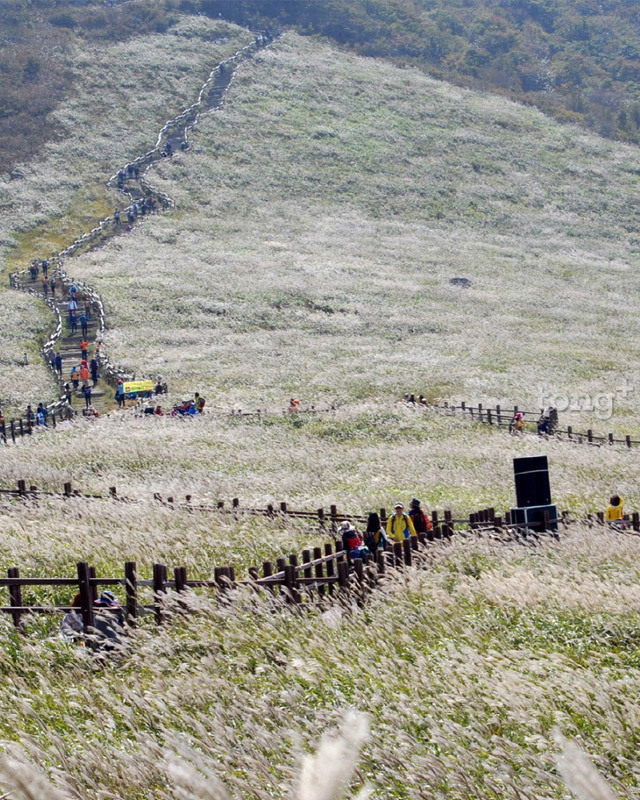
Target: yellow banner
x=138 y=386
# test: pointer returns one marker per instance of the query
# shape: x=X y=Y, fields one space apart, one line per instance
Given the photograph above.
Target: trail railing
x=502 y=418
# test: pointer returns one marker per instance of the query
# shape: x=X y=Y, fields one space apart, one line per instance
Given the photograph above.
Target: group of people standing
x=400 y=526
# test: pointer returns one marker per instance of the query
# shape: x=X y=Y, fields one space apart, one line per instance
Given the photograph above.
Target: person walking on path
x=120 y=394
x=84 y=347
x=45 y=267
x=58 y=363
x=86 y=391
x=83 y=324
x=45 y=287
x=374 y=536
x=421 y=522
x=52 y=284
x=400 y=526
x=67 y=393
x=94 y=370
x=75 y=378
x=84 y=373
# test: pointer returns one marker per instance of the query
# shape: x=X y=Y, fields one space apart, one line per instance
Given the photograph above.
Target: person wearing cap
x=108 y=625
x=400 y=526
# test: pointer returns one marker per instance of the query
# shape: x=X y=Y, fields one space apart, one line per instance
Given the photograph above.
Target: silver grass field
x=320 y=217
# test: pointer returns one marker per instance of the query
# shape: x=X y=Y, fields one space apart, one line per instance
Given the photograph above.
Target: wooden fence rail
x=499 y=417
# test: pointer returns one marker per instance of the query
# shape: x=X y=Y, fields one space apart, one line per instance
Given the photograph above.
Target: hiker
x=58 y=364
x=75 y=378
x=516 y=426
x=84 y=373
x=45 y=267
x=67 y=393
x=94 y=370
x=543 y=426
x=33 y=269
x=42 y=409
x=84 y=347
x=200 y=401
x=108 y=624
x=116 y=217
x=52 y=284
x=294 y=405
x=86 y=391
x=83 y=324
x=551 y=415
x=351 y=541
x=412 y=399
x=73 y=290
x=135 y=208
x=421 y=521
x=71 y=627
x=374 y=536
x=130 y=219
x=40 y=418
x=158 y=411
x=130 y=170
x=614 y=515
x=45 y=287
x=400 y=525
x=136 y=170
x=30 y=417
x=120 y=394
x=422 y=400
x=159 y=389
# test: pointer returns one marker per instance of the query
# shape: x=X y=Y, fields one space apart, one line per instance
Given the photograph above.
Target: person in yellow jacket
x=614 y=514
x=400 y=525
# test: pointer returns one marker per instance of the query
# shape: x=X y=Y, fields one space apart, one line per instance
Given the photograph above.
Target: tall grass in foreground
x=467 y=671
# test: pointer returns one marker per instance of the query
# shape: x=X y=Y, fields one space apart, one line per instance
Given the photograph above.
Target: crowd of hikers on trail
x=400 y=526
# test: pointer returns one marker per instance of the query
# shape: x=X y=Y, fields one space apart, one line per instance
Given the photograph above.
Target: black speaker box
x=532 y=481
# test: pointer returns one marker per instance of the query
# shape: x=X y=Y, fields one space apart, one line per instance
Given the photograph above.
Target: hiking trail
x=131 y=180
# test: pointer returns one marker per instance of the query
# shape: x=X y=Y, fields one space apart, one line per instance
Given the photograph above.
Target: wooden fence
x=502 y=418
x=320 y=575
x=324 y=517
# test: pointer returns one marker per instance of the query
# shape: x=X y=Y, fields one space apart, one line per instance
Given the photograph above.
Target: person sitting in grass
x=614 y=515
x=516 y=426
x=400 y=525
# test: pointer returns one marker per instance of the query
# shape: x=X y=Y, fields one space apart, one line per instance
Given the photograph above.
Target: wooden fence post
x=406 y=548
x=131 y=589
x=180 y=578
x=86 y=598
x=600 y=516
x=22 y=488
x=635 y=521
x=67 y=489
x=628 y=440
x=159 y=588
x=381 y=561
x=94 y=588
x=290 y=582
x=330 y=566
x=343 y=577
x=15 y=598
x=589 y=435
x=398 y=559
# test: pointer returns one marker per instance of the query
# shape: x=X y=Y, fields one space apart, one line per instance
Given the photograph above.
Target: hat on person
x=415 y=503
x=399 y=505
x=519 y=415
x=109 y=598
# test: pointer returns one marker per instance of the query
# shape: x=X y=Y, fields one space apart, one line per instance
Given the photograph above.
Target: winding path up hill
x=132 y=181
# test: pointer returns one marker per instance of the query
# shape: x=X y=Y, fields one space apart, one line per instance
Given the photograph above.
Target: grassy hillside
x=319 y=220
x=465 y=671
x=321 y=217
